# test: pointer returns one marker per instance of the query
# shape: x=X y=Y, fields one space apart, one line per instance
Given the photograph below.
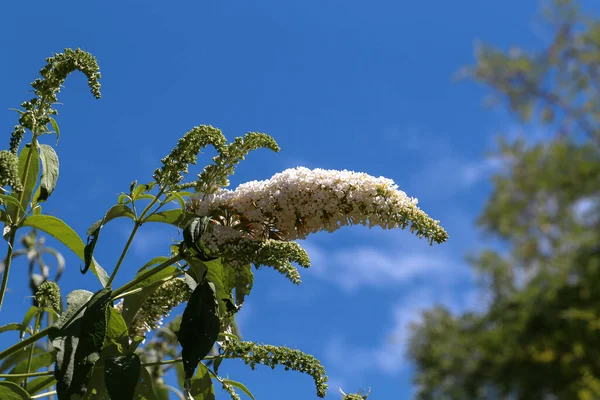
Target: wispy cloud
x=389 y=355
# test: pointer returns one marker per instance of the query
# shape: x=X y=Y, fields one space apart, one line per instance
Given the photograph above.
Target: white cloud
x=358 y=266
x=389 y=356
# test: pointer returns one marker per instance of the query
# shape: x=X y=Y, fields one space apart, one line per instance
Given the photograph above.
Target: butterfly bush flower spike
x=301 y=201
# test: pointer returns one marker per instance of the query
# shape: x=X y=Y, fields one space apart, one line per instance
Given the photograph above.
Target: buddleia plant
x=120 y=342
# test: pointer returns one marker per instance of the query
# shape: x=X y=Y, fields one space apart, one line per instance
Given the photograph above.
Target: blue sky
x=339 y=84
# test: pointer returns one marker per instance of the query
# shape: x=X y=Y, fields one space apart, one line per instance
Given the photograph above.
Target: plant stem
x=30 y=375
x=36 y=326
x=145 y=276
x=13 y=228
x=39 y=396
x=175 y=361
x=24 y=343
x=138 y=223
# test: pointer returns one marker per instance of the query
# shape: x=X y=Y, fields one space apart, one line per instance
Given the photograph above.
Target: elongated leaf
x=201 y=386
x=59 y=230
x=93 y=233
x=13 y=326
x=16 y=358
x=12 y=391
x=27 y=319
x=49 y=173
x=214 y=272
x=176 y=196
x=200 y=326
x=155 y=261
x=116 y=328
x=240 y=386
x=38 y=384
x=31 y=179
x=41 y=360
x=56 y=130
x=121 y=375
x=144 y=389
x=11 y=203
x=173 y=217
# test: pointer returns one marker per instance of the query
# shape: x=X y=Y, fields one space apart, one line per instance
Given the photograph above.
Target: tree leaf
x=121 y=375
x=50 y=164
x=214 y=272
x=12 y=391
x=201 y=386
x=155 y=261
x=193 y=232
x=116 y=328
x=16 y=358
x=32 y=176
x=240 y=386
x=59 y=230
x=11 y=204
x=200 y=326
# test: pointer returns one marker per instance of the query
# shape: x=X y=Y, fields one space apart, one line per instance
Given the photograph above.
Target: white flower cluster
x=300 y=201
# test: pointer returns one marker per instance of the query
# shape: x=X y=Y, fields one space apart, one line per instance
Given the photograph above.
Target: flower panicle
x=185 y=153
x=9 y=171
x=300 y=201
x=252 y=354
x=215 y=176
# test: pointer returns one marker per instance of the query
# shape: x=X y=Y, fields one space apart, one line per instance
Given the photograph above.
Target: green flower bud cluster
x=215 y=176
x=48 y=295
x=355 y=396
x=185 y=153
x=9 y=171
x=38 y=110
x=15 y=139
x=270 y=253
x=157 y=306
x=229 y=389
x=253 y=354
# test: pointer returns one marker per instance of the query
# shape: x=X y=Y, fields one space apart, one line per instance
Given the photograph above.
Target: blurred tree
x=539 y=337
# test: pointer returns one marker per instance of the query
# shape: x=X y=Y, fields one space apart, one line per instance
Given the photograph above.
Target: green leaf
x=193 y=232
x=32 y=176
x=55 y=127
x=214 y=272
x=93 y=233
x=121 y=375
x=176 y=196
x=155 y=261
x=59 y=230
x=41 y=360
x=200 y=326
x=78 y=340
x=49 y=177
x=201 y=386
x=174 y=217
x=33 y=310
x=36 y=385
x=240 y=386
x=143 y=389
x=116 y=328
x=11 y=204
x=16 y=358
x=12 y=391
x=13 y=326
x=123 y=199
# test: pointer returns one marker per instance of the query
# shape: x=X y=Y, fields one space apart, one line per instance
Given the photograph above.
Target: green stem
x=39 y=396
x=175 y=361
x=145 y=276
x=36 y=326
x=13 y=232
x=138 y=223
x=24 y=343
x=29 y=375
